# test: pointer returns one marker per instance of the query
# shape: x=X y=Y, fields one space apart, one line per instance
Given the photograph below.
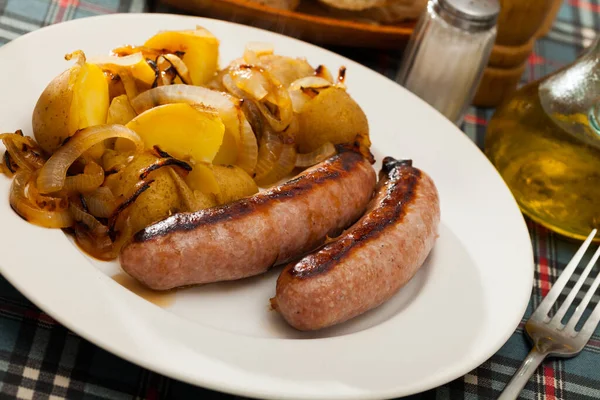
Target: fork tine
x=556 y=320
x=585 y=301
x=590 y=325
x=559 y=285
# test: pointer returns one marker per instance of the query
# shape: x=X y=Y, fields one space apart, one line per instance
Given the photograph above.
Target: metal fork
x=548 y=335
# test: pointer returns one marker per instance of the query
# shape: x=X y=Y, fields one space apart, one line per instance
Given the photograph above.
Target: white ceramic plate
x=457 y=311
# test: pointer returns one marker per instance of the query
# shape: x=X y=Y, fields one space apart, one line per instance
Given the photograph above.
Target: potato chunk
x=76 y=99
x=184 y=131
x=200 y=48
x=224 y=183
x=120 y=111
x=158 y=201
x=332 y=116
x=234 y=183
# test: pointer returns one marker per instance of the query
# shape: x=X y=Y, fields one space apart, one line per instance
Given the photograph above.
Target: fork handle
x=521 y=377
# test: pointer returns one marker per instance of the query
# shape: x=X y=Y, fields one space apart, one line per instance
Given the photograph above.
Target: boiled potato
x=143 y=72
x=122 y=182
x=74 y=100
x=202 y=178
x=160 y=200
x=332 y=116
x=230 y=148
x=234 y=183
x=115 y=86
x=224 y=183
x=183 y=131
x=120 y=111
x=200 y=48
x=204 y=201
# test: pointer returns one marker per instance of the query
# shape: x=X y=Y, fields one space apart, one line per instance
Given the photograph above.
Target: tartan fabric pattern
x=40 y=359
x=18 y=17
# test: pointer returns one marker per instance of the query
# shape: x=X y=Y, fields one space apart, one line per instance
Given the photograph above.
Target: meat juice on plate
x=545 y=143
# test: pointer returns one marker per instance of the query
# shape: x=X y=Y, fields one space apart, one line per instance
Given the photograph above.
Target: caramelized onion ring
x=31 y=212
x=268 y=154
x=180 y=93
x=91 y=179
x=101 y=202
x=248 y=157
x=180 y=67
x=23 y=151
x=281 y=168
x=322 y=153
x=91 y=235
x=53 y=174
x=250 y=78
x=111 y=61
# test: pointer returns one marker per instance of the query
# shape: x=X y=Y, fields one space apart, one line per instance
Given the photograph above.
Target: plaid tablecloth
x=40 y=359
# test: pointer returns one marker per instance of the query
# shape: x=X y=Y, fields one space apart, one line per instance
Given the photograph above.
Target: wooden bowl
x=311 y=28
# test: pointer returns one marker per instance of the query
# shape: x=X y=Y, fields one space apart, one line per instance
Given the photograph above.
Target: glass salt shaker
x=446 y=55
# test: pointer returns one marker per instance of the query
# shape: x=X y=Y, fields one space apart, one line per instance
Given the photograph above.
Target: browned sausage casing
x=370 y=262
x=249 y=236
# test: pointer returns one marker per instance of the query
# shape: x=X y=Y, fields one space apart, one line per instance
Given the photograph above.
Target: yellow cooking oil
x=553 y=174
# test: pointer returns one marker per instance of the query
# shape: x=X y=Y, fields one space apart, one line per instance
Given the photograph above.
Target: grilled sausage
x=371 y=261
x=249 y=236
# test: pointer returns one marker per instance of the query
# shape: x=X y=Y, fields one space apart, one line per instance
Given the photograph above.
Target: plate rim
x=238 y=390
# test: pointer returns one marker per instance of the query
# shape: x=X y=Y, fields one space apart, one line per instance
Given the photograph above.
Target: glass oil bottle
x=545 y=143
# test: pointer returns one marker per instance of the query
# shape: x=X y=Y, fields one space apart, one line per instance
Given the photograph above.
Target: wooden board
x=501 y=75
x=317 y=29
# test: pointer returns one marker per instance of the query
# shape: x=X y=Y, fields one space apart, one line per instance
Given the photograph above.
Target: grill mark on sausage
x=332 y=169
x=401 y=184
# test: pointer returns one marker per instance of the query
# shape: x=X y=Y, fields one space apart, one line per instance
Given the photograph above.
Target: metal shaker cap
x=469 y=14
